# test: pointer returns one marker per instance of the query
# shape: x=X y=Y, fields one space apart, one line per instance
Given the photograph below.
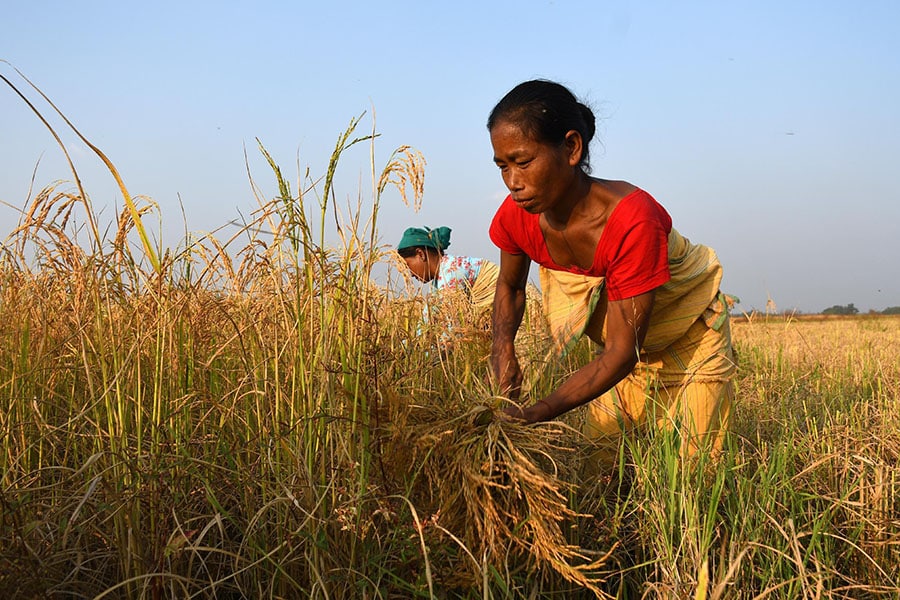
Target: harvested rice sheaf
x=497 y=488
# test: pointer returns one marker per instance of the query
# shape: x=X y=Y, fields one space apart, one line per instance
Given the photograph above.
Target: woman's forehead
x=511 y=134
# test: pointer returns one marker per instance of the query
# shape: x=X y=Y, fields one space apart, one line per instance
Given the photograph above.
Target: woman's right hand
x=505 y=365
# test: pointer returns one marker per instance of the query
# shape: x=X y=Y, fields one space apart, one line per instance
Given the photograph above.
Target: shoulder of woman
x=640 y=203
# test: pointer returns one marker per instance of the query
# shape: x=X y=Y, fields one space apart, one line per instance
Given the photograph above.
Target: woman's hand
x=513 y=413
x=505 y=365
x=540 y=411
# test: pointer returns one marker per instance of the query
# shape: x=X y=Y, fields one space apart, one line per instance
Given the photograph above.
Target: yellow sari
x=684 y=376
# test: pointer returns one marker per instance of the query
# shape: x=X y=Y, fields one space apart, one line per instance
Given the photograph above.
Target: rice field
x=263 y=417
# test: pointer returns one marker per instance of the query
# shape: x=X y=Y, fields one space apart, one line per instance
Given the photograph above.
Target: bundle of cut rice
x=498 y=489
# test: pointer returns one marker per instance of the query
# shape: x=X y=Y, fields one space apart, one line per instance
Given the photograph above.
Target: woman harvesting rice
x=612 y=267
x=423 y=251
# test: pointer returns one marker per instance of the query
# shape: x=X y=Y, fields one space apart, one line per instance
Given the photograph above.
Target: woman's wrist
x=539 y=411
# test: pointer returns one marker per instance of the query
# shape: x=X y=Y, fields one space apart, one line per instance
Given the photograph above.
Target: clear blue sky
x=769 y=130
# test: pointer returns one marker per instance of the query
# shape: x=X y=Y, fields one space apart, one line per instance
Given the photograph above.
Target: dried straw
x=497 y=488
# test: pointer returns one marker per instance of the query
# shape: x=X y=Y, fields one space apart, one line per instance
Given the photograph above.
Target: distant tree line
x=849 y=309
x=837 y=309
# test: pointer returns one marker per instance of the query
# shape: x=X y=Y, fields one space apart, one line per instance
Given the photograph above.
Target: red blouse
x=632 y=252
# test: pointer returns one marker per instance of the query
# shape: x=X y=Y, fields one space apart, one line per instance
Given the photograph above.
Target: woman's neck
x=572 y=203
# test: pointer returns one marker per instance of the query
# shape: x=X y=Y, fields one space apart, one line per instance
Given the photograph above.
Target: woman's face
x=418 y=265
x=536 y=174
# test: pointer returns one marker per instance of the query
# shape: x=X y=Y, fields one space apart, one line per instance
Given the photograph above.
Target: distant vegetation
x=849 y=309
x=841 y=310
x=836 y=310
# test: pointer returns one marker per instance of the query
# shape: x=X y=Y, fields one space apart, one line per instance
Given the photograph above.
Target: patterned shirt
x=457 y=273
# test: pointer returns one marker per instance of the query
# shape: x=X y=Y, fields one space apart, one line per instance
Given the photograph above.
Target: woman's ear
x=574 y=147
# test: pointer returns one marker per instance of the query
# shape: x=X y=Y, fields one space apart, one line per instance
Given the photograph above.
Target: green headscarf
x=439 y=238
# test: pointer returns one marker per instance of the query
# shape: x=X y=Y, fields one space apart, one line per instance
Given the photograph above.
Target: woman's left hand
x=514 y=413
x=539 y=411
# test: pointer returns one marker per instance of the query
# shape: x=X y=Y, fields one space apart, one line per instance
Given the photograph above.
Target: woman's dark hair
x=411 y=251
x=546 y=111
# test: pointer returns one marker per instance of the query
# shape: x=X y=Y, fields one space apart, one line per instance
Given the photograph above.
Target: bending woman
x=423 y=250
x=611 y=267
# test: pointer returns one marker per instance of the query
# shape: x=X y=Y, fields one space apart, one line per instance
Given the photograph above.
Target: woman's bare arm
x=509 y=307
x=627 y=322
